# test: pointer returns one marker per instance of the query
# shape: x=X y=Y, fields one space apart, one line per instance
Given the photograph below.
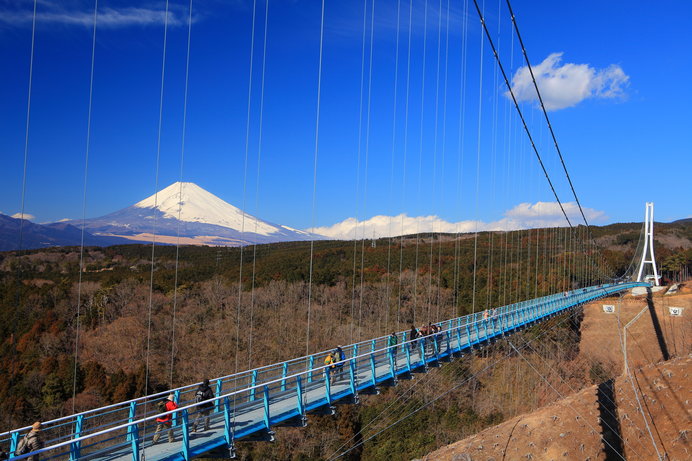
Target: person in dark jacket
x=203 y=394
x=34 y=440
x=414 y=335
x=166 y=421
x=339 y=356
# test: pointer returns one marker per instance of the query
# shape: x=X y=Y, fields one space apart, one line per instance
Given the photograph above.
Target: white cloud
x=566 y=85
x=522 y=216
x=53 y=13
x=27 y=216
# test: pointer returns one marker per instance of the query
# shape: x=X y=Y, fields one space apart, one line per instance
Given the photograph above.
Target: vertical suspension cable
x=257 y=181
x=442 y=166
x=493 y=151
x=180 y=193
x=23 y=190
x=360 y=139
x=460 y=153
x=153 y=233
x=435 y=146
x=403 y=187
x=367 y=152
x=314 y=176
x=245 y=166
x=26 y=128
x=420 y=153
x=84 y=198
x=391 y=176
x=478 y=168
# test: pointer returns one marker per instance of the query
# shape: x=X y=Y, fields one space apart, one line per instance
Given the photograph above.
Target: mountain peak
x=189 y=202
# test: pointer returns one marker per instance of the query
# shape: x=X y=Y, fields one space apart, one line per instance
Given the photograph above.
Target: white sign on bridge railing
x=675 y=311
x=608 y=308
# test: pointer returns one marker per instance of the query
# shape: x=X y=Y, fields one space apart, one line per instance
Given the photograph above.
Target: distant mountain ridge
x=47 y=235
x=186 y=213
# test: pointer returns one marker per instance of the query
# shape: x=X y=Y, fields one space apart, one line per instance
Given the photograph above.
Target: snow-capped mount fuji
x=187 y=213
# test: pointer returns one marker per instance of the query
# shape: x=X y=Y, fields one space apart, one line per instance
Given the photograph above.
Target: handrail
x=517 y=305
x=319 y=369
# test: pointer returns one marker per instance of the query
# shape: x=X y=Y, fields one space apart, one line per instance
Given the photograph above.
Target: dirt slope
x=575 y=426
x=571 y=428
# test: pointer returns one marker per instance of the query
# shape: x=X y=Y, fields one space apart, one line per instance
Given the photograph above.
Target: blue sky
x=621 y=109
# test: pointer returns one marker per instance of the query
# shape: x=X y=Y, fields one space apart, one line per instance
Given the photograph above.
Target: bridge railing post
x=372 y=363
x=458 y=333
x=407 y=351
x=355 y=354
x=75 y=447
x=311 y=365
x=299 y=395
x=327 y=387
x=228 y=428
x=176 y=396
x=284 y=371
x=131 y=415
x=219 y=389
x=186 y=434
x=421 y=344
x=253 y=383
x=353 y=379
x=133 y=436
x=14 y=441
x=266 y=407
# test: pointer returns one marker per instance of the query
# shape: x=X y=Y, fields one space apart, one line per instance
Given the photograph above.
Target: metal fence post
x=266 y=406
x=133 y=434
x=253 y=383
x=219 y=389
x=76 y=445
x=228 y=432
x=310 y=367
x=327 y=387
x=176 y=396
x=186 y=435
x=283 y=376
x=299 y=394
x=131 y=416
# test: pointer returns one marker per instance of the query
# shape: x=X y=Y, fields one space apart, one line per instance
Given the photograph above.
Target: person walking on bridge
x=414 y=334
x=165 y=421
x=329 y=361
x=204 y=394
x=392 y=342
x=339 y=356
x=33 y=441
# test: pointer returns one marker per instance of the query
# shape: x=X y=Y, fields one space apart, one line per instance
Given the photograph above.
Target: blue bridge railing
x=250 y=403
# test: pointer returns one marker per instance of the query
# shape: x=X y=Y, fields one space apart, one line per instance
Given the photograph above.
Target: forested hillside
x=211 y=314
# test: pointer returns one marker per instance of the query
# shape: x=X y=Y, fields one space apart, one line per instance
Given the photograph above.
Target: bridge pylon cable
x=521 y=115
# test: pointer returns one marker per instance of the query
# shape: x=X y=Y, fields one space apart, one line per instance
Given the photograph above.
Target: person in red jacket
x=166 y=420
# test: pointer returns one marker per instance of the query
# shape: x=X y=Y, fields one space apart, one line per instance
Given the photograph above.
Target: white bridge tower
x=648 y=244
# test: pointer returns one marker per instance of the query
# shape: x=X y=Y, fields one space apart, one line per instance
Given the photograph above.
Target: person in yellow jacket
x=330 y=361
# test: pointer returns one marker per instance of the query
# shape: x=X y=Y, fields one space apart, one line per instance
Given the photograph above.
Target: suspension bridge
x=248 y=405
x=251 y=403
